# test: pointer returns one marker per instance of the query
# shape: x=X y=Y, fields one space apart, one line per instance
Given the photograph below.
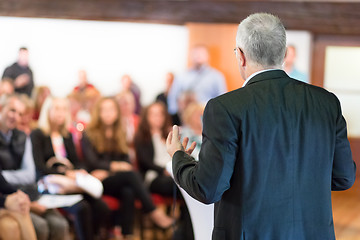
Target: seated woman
x=129 y=119
x=54 y=153
x=152 y=157
x=15 y=222
x=192 y=128
x=105 y=153
x=151 y=151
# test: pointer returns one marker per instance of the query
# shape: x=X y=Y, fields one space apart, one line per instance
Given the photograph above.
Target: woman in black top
x=150 y=147
x=105 y=152
x=54 y=153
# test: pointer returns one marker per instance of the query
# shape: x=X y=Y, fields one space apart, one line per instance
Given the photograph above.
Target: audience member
x=152 y=158
x=20 y=73
x=77 y=125
x=54 y=153
x=83 y=82
x=15 y=221
x=27 y=124
x=192 y=127
x=18 y=167
x=87 y=95
x=87 y=99
x=205 y=81
x=6 y=87
x=127 y=84
x=39 y=96
x=151 y=149
x=162 y=97
x=16 y=159
x=129 y=119
x=289 y=65
x=105 y=153
x=184 y=100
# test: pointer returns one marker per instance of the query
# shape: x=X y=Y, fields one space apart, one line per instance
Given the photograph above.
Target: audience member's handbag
x=59 y=164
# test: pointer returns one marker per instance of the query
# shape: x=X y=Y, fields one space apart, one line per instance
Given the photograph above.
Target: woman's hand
x=18 y=202
x=100 y=174
x=72 y=173
x=37 y=208
x=120 y=166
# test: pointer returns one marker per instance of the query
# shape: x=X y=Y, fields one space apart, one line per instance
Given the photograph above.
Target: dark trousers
x=90 y=215
x=165 y=186
x=128 y=186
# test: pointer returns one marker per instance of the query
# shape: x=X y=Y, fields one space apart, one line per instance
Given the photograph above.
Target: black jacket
x=43 y=151
x=272 y=152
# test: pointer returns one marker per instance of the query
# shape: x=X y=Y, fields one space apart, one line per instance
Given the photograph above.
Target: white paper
x=90 y=184
x=58 y=201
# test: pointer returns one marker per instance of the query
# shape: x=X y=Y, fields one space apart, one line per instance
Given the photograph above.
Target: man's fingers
x=185 y=142
x=169 y=137
x=191 y=148
x=175 y=133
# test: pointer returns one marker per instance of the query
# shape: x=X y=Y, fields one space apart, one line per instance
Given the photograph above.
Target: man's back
x=272 y=151
x=291 y=135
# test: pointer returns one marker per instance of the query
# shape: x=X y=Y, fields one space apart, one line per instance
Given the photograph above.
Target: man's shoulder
x=319 y=91
x=37 y=132
x=13 y=66
x=18 y=133
x=231 y=98
x=18 y=137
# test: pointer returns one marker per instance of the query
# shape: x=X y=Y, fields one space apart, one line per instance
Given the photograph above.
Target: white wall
x=342 y=77
x=106 y=50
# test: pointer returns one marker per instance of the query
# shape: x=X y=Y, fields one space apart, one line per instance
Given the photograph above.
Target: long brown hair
x=144 y=131
x=96 y=131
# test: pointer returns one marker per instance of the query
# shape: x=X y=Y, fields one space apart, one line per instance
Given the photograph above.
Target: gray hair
x=262 y=38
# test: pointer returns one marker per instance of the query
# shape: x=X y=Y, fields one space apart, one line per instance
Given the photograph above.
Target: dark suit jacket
x=272 y=152
x=5 y=189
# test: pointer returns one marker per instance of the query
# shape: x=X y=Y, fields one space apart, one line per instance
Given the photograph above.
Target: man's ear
x=242 y=58
x=286 y=52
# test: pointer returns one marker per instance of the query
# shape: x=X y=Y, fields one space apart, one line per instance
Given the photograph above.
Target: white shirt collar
x=254 y=74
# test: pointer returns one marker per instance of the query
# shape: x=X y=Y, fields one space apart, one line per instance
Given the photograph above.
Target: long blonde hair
x=44 y=119
x=96 y=131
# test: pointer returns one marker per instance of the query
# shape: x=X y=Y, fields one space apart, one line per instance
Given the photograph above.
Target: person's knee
x=9 y=227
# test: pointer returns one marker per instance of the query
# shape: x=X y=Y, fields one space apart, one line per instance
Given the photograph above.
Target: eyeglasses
x=239 y=49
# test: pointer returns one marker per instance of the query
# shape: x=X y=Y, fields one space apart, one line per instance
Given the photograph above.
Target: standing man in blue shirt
x=290 y=68
x=205 y=81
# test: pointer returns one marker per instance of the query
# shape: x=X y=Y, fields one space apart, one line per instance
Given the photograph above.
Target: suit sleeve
x=5 y=188
x=344 y=168
x=207 y=179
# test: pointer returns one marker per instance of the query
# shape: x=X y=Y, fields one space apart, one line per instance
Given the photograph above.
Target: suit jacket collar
x=278 y=73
